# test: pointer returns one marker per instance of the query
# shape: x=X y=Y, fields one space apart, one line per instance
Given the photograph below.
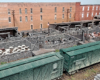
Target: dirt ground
x=84 y=74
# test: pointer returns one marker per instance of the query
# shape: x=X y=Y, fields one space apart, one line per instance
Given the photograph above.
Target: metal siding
x=72 y=66
x=91 y=57
x=61 y=67
x=84 y=50
x=48 y=72
x=30 y=71
x=42 y=73
x=87 y=57
x=27 y=66
x=61 y=63
x=5 y=79
x=37 y=74
x=26 y=75
x=66 y=61
x=13 y=77
x=78 y=59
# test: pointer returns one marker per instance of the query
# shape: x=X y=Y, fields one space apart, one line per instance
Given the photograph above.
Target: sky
x=82 y=1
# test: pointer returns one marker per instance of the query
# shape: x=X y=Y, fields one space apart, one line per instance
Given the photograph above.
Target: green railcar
x=80 y=58
x=80 y=46
x=43 y=67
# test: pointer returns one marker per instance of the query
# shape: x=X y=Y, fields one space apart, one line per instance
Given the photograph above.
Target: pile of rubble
x=11 y=50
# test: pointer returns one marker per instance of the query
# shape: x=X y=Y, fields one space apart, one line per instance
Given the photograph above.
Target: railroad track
x=95 y=69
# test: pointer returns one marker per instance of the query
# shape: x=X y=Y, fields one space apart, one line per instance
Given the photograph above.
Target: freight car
x=43 y=67
x=79 y=58
x=80 y=46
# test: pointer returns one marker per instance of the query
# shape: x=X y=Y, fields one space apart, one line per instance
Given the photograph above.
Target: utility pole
x=13 y=13
x=67 y=14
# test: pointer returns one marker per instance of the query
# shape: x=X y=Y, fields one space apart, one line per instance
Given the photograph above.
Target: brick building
x=28 y=16
x=86 y=12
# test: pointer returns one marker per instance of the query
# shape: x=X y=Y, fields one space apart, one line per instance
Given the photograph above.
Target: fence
x=15 y=56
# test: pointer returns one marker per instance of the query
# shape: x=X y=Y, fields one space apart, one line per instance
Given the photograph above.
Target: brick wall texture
x=65 y=12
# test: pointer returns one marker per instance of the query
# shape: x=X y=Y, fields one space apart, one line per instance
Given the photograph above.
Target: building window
x=99 y=13
x=88 y=8
x=20 y=11
x=55 y=17
x=31 y=18
x=26 y=19
x=20 y=19
x=70 y=15
x=8 y=11
x=99 y=8
x=41 y=26
x=63 y=9
x=25 y=10
x=40 y=10
x=82 y=15
x=93 y=8
x=9 y=19
x=55 y=9
x=31 y=26
x=31 y=10
x=92 y=14
x=83 y=8
x=70 y=9
x=41 y=17
x=96 y=7
x=87 y=14
x=63 y=16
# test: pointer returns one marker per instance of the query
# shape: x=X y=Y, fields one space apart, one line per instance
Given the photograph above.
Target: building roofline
x=89 y=4
x=38 y=2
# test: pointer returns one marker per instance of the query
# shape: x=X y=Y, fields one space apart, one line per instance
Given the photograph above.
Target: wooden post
x=13 y=13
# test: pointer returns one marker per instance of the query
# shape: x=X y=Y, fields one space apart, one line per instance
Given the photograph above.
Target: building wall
x=77 y=11
x=85 y=13
x=48 y=14
x=3 y=15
